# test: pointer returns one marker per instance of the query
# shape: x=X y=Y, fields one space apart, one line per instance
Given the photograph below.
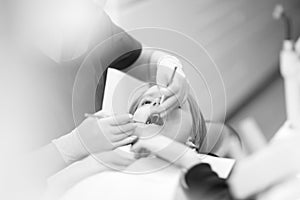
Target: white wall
x=240 y=35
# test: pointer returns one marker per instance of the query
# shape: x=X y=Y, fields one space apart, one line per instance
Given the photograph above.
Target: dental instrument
x=87 y=115
x=169 y=83
x=172 y=77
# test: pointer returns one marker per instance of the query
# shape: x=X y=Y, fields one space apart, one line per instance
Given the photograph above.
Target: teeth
x=142 y=116
x=156 y=119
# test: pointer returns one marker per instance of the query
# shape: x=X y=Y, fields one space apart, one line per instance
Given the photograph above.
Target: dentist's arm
x=91 y=136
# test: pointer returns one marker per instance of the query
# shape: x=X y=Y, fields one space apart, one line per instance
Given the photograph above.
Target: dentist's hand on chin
x=153 y=144
x=110 y=160
x=168 y=150
x=96 y=135
x=146 y=133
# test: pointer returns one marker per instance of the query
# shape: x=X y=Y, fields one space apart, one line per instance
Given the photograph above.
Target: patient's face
x=176 y=125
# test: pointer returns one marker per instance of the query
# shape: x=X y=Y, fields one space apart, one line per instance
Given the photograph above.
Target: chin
x=148 y=130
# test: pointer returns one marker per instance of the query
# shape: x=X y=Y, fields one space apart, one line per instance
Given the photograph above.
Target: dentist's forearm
x=45 y=162
x=71 y=175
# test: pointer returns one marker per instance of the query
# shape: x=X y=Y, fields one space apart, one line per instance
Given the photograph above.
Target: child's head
x=183 y=124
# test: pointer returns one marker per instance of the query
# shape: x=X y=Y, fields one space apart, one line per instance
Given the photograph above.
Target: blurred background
x=242 y=38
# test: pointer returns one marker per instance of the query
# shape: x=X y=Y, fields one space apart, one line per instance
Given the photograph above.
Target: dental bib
x=141 y=115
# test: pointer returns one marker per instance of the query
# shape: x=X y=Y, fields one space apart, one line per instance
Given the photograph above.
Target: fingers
x=119 y=119
x=142 y=153
x=136 y=146
x=167 y=106
x=124 y=162
x=174 y=96
x=123 y=136
x=123 y=128
x=121 y=158
x=169 y=91
x=126 y=159
x=101 y=114
x=114 y=158
x=126 y=141
x=169 y=103
x=140 y=150
x=180 y=91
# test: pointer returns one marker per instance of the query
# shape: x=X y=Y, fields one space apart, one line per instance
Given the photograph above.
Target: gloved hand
x=95 y=136
x=154 y=144
x=166 y=149
x=175 y=91
x=144 y=146
x=113 y=160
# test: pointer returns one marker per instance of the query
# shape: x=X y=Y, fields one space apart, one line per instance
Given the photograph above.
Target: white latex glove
x=168 y=150
x=96 y=135
x=175 y=91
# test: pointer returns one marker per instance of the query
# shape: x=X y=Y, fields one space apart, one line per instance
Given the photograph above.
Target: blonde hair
x=198 y=133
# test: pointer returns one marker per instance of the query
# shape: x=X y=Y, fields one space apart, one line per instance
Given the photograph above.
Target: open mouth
x=142 y=116
x=155 y=119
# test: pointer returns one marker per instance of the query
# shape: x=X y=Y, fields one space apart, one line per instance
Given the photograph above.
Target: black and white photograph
x=149 y=99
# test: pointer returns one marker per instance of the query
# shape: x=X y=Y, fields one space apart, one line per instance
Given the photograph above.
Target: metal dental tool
x=169 y=83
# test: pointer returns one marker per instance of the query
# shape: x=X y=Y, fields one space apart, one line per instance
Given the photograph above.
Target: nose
x=155 y=102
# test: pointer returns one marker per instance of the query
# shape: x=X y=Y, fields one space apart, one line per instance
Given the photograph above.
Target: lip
x=148 y=125
x=155 y=119
x=142 y=115
x=158 y=123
